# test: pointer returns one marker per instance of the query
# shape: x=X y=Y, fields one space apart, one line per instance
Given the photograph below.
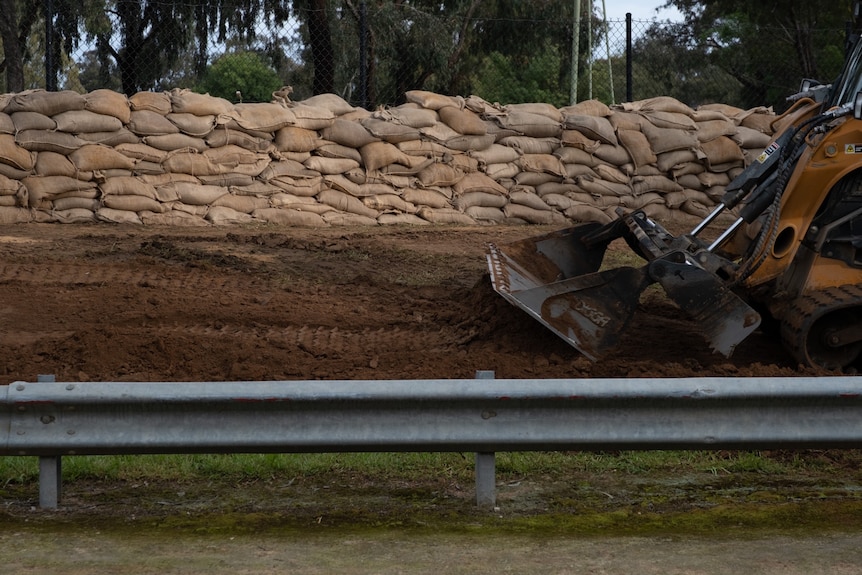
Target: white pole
x=590 y=48
x=608 y=49
x=576 y=29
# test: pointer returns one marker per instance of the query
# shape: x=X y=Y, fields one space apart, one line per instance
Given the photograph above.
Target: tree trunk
x=13 y=54
x=322 y=56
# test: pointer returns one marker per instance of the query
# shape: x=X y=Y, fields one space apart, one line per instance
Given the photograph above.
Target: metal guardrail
x=483 y=415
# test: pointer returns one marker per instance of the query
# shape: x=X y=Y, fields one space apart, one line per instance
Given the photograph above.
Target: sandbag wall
x=181 y=158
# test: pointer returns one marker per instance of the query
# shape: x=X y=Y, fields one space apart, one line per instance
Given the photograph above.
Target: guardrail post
x=486 y=496
x=50 y=470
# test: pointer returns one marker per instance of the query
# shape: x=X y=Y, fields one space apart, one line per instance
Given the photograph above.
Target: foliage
x=510 y=80
x=243 y=74
x=766 y=47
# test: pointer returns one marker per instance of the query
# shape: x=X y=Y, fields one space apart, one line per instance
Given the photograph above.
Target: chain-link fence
x=372 y=53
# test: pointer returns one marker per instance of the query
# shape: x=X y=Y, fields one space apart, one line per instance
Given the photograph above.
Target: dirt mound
x=263 y=303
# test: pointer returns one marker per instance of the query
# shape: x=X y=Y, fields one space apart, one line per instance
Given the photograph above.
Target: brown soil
x=141 y=304
x=112 y=303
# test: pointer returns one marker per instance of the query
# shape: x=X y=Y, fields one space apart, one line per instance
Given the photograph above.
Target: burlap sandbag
x=389 y=202
x=659 y=184
x=439 y=175
x=425 y=197
x=32 y=121
x=112 y=139
x=289 y=217
x=76 y=121
x=577 y=139
x=586 y=213
x=376 y=155
x=545 y=163
x=16 y=156
x=327 y=166
x=462 y=121
x=670 y=120
x=312 y=117
x=529 y=145
x=14 y=215
x=158 y=102
x=500 y=172
x=401 y=220
x=603 y=187
x=74 y=202
x=345 y=203
x=134 y=203
x=532 y=215
x=496 y=154
x=408 y=114
x=6 y=124
x=432 y=100
x=478 y=182
x=594 y=127
x=191 y=163
x=110 y=103
x=262 y=117
x=751 y=138
x=198 y=195
x=185 y=101
x=712 y=129
x=141 y=152
x=193 y=125
x=528 y=198
x=172 y=218
x=114 y=216
x=486 y=214
x=484 y=199
x=336 y=218
x=244 y=204
x=150 y=123
x=99 y=157
x=299 y=186
x=445 y=216
x=668 y=161
x=613 y=154
x=224 y=215
x=296 y=139
x=530 y=124
x=174 y=142
x=658 y=104
x=125 y=186
x=721 y=150
x=347 y=133
x=665 y=140
x=338 y=151
x=223 y=136
x=44 y=102
x=53 y=164
x=611 y=173
x=638 y=147
x=587 y=108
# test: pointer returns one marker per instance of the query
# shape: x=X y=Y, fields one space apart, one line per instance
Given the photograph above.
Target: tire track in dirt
x=71 y=274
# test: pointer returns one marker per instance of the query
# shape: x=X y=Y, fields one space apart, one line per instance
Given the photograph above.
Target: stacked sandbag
x=182 y=158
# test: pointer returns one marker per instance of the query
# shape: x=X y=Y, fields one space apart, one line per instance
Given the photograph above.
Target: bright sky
x=643 y=10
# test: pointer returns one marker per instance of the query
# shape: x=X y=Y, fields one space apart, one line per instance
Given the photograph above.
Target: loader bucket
x=555 y=279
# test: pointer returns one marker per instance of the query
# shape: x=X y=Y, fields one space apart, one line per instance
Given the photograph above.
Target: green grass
x=417 y=466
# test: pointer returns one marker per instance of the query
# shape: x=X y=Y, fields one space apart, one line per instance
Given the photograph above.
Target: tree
x=768 y=47
x=240 y=73
x=149 y=36
x=17 y=19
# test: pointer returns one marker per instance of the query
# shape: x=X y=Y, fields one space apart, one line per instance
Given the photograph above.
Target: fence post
x=628 y=56
x=50 y=470
x=486 y=496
